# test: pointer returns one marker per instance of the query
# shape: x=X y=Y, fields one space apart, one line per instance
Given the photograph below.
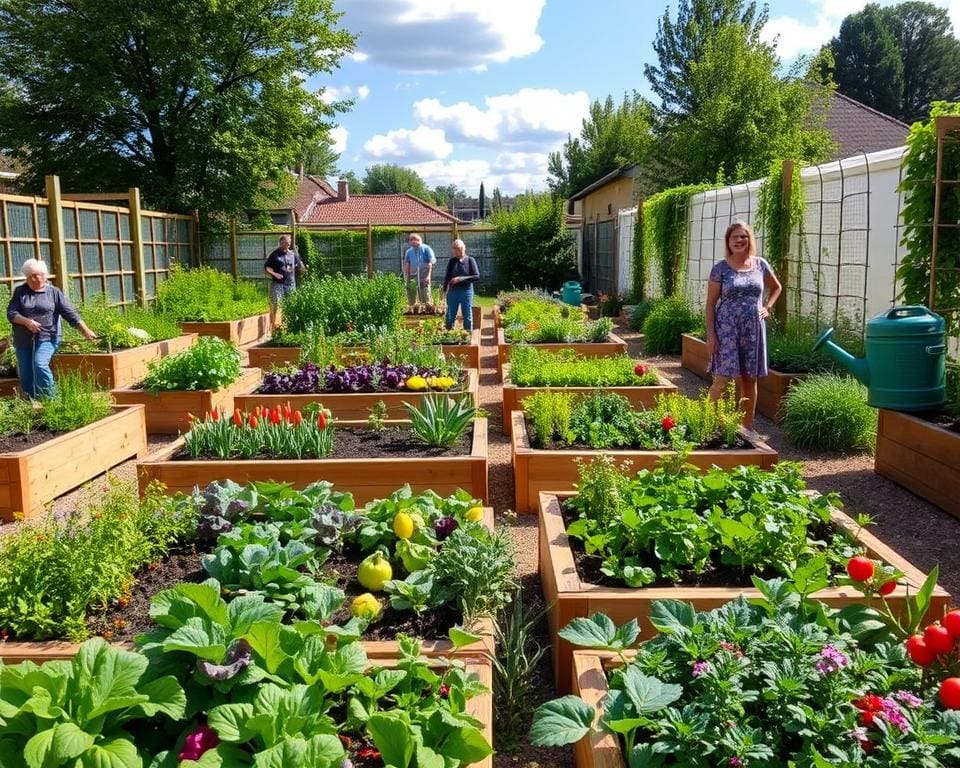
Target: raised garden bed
x=615 y=346
x=124 y=367
x=9 y=386
x=245 y=330
x=639 y=397
x=469 y=353
x=921 y=456
x=411 y=320
x=570 y=597
x=31 y=478
x=167 y=413
x=597 y=749
x=770 y=388
x=366 y=478
x=536 y=470
x=355 y=406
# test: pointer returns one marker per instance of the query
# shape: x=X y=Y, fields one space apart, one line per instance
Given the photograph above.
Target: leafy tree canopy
x=319 y=158
x=200 y=103
x=389 y=178
x=612 y=136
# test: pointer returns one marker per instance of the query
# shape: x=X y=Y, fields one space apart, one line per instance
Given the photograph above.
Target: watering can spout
x=857 y=366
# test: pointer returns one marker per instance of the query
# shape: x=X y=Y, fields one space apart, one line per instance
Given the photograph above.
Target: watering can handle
x=936 y=349
x=910 y=311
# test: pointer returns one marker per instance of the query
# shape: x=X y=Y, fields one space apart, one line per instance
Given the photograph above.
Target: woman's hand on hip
x=763 y=312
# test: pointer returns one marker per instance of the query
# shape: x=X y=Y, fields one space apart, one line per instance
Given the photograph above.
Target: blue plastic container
x=571 y=293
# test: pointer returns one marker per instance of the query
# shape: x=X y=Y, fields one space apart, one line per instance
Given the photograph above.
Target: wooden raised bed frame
x=167 y=412
x=477 y=316
x=921 y=456
x=615 y=346
x=536 y=470
x=120 y=369
x=268 y=358
x=245 y=330
x=639 y=397
x=9 y=386
x=770 y=388
x=598 y=749
x=31 y=478
x=367 y=478
x=570 y=598
x=355 y=406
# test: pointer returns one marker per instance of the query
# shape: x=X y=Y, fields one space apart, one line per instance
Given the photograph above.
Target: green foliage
x=612 y=136
x=919 y=167
x=477 y=566
x=532 y=243
x=829 y=412
x=117 y=327
x=273 y=434
x=389 y=178
x=75 y=403
x=790 y=346
x=544 y=321
x=111 y=97
x=664 y=241
x=673 y=520
x=337 y=251
x=340 y=303
x=666 y=322
x=211 y=363
x=206 y=295
x=639 y=313
x=776 y=221
x=531 y=367
x=17 y=416
x=439 y=421
x=62 y=566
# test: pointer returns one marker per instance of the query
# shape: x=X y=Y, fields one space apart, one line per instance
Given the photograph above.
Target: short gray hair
x=34 y=267
x=460 y=244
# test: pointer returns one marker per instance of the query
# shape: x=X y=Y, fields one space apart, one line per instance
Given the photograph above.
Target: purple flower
x=445 y=526
x=198 y=742
x=700 y=668
x=735 y=761
x=831 y=660
x=894 y=715
x=907 y=699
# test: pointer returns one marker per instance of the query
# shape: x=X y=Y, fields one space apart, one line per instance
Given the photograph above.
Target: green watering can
x=905 y=364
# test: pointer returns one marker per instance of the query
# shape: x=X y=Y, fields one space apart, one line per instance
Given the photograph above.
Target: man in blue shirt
x=418 y=264
x=282 y=265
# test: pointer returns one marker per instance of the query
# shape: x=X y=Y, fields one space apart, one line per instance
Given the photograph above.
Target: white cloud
x=431 y=36
x=407 y=146
x=363 y=91
x=339 y=134
x=332 y=93
x=359 y=56
x=533 y=116
x=512 y=172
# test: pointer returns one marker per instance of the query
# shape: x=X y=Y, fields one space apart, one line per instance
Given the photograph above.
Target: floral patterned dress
x=741 y=334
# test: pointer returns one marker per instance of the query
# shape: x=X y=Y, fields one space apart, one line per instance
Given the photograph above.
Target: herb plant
x=477 y=566
x=547 y=321
x=117 y=327
x=829 y=412
x=440 y=420
x=203 y=294
x=532 y=367
x=76 y=402
x=337 y=303
x=211 y=363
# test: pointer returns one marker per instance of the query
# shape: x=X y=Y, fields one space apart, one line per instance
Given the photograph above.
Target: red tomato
x=950 y=693
x=887 y=587
x=668 y=423
x=640 y=369
x=860 y=568
x=952 y=622
x=918 y=651
x=938 y=639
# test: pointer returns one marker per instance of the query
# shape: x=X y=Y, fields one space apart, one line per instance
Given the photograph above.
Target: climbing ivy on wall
x=779 y=218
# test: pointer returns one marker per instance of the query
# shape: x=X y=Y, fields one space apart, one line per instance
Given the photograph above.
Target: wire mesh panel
x=339 y=251
x=479 y=244
x=24 y=234
x=98 y=252
x=604 y=267
x=167 y=240
x=589 y=250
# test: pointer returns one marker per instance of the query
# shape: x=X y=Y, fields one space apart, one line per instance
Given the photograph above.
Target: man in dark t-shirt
x=282 y=266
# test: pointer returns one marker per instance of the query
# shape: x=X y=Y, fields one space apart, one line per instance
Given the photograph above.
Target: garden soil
x=922 y=533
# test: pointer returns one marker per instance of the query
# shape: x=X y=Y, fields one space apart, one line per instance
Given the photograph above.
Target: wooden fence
x=93 y=249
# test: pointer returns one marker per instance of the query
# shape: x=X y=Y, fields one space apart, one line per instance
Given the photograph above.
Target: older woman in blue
x=736 y=315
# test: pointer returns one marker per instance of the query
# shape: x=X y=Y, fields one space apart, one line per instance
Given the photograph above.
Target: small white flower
x=139 y=333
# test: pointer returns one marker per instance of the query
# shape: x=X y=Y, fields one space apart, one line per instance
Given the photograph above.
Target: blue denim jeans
x=33 y=365
x=460 y=298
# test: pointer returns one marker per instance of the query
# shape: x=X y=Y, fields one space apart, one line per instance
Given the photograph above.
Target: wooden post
x=136 y=246
x=786 y=191
x=234 y=249
x=196 y=250
x=58 y=249
x=293 y=228
x=369 y=250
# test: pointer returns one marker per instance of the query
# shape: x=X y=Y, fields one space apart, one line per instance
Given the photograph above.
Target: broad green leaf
x=643 y=756
x=812 y=575
x=627 y=634
x=287 y=753
x=334 y=682
x=265 y=640
x=671 y=616
x=460 y=637
x=467 y=744
x=199 y=637
x=246 y=610
x=596 y=632
x=165 y=696
x=324 y=749
x=56 y=745
x=560 y=722
x=648 y=694
x=112 y=753
x=393 y=737
x=427 y=758
x=350 y=658
x=230 y=720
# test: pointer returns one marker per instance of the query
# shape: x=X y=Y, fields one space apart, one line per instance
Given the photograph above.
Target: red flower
x=237 y=417
x=322 y=420
x=253 y=421
x=199 y=741
x=297 y=418
x=668 y=423
x=287 y=411
x=369 y=753
x=275 y=417
x=215 y=415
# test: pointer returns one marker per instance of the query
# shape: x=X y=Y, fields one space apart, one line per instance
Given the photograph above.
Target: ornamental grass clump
x=532 y=367
x=829 y=412
x=790 y=346
x=279 y=432
x=211 y=363
x=439 y=421
x=665 y=324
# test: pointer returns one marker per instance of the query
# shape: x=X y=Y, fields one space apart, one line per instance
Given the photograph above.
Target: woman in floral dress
x=735 y=314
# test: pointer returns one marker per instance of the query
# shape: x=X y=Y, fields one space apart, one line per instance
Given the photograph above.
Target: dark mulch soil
x=394 y=442
x=714 y=445
x=36 y=437
x=941 y=419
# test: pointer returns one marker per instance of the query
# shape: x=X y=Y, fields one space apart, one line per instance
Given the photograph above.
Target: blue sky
x=465 y=91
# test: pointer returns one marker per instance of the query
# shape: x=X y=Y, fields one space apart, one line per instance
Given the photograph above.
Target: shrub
x=117 y=327
x=829 y=412
x=206 y=295
x=210 y=363
x=667 y=321
x=639 y=312
x=17 y=416
x=532 y=243
x=338 y=303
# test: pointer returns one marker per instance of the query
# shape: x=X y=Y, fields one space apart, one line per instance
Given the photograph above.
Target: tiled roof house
x=857 y=128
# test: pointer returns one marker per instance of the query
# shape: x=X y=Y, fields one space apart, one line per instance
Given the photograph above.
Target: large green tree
x=612 y=136
x=746 y=115
x=200 y=103
x=389 y=178
x=680 y=44
x=319 y=158
x=867 y=61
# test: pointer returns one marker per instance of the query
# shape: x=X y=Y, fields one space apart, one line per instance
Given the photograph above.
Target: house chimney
x=343 y=189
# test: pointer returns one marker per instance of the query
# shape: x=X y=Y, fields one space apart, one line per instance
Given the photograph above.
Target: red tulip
x=215 y=415
x=237 y=417
x=322 y=420
x=297 y=418
x=253 y=420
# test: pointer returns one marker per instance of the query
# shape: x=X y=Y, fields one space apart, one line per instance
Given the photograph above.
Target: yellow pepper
x=416 y=383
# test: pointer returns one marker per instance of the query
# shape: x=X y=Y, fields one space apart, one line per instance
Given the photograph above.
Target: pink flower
x=735 y=762
x=831 y=660
x=700 y=668
x=906 y=698
x=199 y=741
